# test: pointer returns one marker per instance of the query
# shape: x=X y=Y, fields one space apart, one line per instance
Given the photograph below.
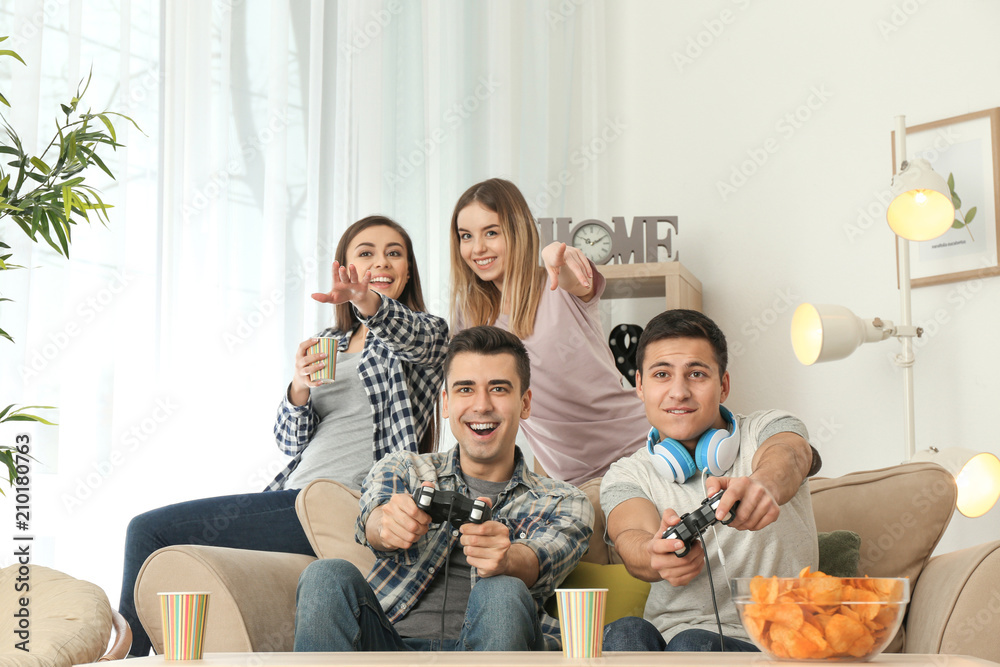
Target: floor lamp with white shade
x=921 y=210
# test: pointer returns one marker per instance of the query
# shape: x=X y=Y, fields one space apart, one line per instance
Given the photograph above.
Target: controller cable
x=715 y=605
x=444 y=603
x=708 y=566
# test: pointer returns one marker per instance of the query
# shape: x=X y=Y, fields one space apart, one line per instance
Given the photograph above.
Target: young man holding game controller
x=434 y=587
x=761 y=460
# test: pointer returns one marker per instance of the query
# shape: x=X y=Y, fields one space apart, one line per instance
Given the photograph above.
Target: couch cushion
x=328 y=511
x=69 y=619
x=839 y=553
x=900 y=513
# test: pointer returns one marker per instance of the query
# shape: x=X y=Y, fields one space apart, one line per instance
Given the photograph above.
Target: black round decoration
x=624 y=342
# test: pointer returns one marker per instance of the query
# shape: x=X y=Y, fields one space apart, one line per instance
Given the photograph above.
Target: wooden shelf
x=670 y=280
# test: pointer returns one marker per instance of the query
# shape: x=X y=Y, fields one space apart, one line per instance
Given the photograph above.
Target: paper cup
x=328 y=345
x=581 y=621
x=183 y=624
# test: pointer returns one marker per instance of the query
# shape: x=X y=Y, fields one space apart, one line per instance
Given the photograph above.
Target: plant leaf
x=67 y=193
x=8 y=460
x=956 y=201
x=29 y=418
x=40 y=166
x=107 y=124
x=12 y=54
x=951 y=181
x=57 y=226
x=958 y=224
x=970 y=215
x=4 y=334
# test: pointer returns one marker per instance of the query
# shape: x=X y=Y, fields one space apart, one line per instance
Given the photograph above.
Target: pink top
x=582 y=417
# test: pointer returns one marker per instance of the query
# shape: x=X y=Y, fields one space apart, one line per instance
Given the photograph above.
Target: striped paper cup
x=328 y=345
x=581 y=621
x=183 y=624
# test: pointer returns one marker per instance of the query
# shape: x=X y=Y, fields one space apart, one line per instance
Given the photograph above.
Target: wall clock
x=593 y=239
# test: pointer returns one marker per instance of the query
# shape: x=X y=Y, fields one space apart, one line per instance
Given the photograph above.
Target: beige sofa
x=899 y=512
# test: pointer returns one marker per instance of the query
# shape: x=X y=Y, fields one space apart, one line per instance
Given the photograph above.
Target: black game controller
x=438 y=503
x=695 y=523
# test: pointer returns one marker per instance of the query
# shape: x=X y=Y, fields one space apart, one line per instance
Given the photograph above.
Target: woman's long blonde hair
x=478 y=302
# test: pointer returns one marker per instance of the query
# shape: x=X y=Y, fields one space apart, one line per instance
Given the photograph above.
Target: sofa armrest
x=955 y=606
x=252 y=603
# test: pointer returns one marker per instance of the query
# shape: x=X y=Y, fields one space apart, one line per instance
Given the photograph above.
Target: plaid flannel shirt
x=552 y=518
x=401 y=367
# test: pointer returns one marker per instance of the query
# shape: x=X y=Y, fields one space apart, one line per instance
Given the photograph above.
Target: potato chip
x=795 y=643
x=789 y=615
x=842 y=631
x=764 y=590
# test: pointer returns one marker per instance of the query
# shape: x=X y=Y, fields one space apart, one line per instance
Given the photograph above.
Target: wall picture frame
x=965 y=150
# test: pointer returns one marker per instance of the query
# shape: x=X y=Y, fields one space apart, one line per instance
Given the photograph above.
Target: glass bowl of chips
x=818 y=617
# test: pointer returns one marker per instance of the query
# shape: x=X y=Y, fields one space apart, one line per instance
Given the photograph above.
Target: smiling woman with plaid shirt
x=389 y=360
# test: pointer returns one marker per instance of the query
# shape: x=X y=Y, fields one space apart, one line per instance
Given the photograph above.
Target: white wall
x=782 y=238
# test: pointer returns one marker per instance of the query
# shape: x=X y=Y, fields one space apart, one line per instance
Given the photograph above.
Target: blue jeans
x=336 y=610
x=263 y=521
x=637 y=634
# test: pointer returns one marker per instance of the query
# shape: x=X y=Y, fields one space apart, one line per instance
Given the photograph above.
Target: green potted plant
x=46 y=194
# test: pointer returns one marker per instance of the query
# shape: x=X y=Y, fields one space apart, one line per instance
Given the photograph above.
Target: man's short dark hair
x=682 y=323
x=491 y=341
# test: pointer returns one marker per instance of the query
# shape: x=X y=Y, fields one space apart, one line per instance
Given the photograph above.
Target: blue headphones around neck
x=716 y=451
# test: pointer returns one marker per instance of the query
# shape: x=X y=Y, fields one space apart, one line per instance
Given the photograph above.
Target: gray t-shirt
x=781 y=549
x=424 y=620
x=341 y=447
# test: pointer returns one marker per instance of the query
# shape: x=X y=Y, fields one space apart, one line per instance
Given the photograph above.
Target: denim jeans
x=637 y=634
x=336 y=610
x=263 y=521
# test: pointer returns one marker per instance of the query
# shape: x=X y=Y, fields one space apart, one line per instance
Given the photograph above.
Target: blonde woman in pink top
x=583 y=418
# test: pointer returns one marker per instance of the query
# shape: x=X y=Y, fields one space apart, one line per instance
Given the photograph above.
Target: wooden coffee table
x=530 y=659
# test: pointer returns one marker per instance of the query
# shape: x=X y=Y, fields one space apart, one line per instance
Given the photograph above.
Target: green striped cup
x=328 y=345
x=581 y=621
x=183 y=624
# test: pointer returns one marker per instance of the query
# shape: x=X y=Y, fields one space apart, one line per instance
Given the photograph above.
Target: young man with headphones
x=696 y=447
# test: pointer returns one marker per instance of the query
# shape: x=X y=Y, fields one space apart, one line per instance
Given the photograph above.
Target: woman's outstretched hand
x=347 y=286
x=557 y=255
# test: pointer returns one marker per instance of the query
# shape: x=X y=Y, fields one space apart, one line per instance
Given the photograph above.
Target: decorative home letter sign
x=604 y=244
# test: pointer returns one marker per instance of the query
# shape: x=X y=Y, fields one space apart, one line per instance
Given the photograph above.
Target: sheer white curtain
x=279 y=124
x=83 y=327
